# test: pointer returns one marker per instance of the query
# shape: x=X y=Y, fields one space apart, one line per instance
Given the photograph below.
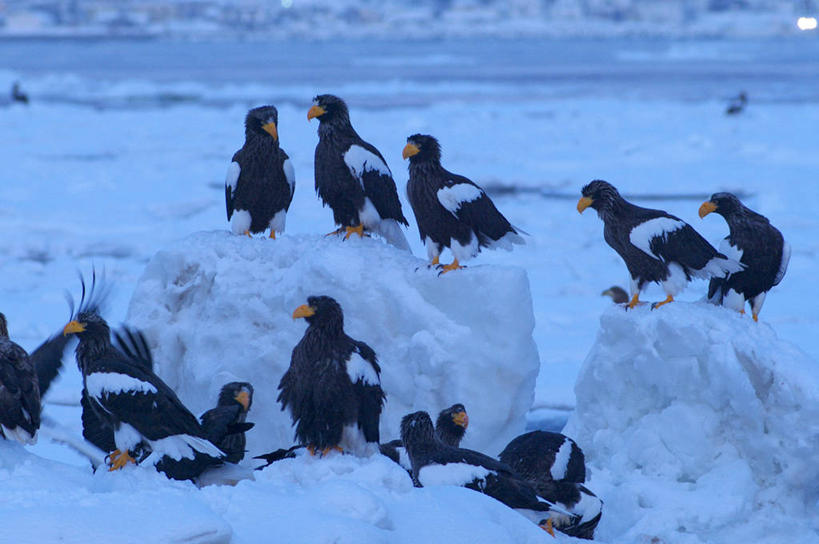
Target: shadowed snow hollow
x=700 y=426
x=217 y=308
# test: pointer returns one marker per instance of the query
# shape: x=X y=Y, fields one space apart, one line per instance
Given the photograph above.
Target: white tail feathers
x=393 y=233
x=718 y=267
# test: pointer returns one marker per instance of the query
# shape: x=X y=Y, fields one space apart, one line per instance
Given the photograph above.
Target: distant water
x=103 y=72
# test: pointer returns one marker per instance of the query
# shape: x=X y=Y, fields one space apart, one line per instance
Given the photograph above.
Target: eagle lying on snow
x=450 y=428
x=19 y=391
x=451 y=210
x=755 y=243
x=333 y=385
x=353 y=178
x=147 y=418
x=260 y=181
x=656 y=246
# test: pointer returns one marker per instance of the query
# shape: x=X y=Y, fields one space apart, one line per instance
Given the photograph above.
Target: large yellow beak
x=706 y=208
x=461 y=419
x=315 y=111
x=73 y=327
x=270 y=128
x=303 y=311
x=584 y=203
x=409 y=151
x=244 y=399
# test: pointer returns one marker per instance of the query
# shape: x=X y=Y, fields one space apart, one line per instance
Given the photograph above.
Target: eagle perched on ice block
x=656 y=246
x=260 y=181
x=353 y=178
x=451 y=210
x=19 y=391
x=333 y=386
x=754 y=242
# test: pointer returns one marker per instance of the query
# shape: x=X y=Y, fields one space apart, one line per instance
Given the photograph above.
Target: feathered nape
x=417 y=430
x=96 y=338
x=93 y=299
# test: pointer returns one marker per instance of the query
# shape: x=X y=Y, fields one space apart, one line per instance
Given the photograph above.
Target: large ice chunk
x=700 y=426
x=217 y=308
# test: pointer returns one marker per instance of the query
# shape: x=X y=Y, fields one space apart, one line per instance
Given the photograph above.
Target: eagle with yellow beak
x=260 y=181
x=333 y=385
x=656 y=246
x=754 y=242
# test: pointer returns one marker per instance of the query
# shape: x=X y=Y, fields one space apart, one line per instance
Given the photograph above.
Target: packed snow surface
x=699 y=426
x=218 y=308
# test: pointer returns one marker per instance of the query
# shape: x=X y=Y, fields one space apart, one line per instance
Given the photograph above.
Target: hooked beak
x=461 y=419
x=270 y=128
x=315 y=111
x=706 y=208
x=243 y=398
x=409 y=151
x=73 y=327
x=303 y=311
x=584 y=203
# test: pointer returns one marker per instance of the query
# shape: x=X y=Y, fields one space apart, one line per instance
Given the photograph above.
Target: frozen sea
x=125 y=144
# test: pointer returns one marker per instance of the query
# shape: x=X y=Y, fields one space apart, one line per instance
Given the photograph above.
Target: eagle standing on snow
x=225 y=424
x=260 y=181
x=656 y=246
x=450 y=428
x=435 y=463
x=450 y=210
x=754 y=242
x=333 y=385
x=145 y=415
x=19 y=391
x=555 y=467
x=353 y=178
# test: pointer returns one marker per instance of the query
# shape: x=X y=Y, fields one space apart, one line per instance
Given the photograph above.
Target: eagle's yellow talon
x=272 y=234
x=357 y=230
x=668 y=299
x=119 y=459
x=451 y=266
x=635 y=300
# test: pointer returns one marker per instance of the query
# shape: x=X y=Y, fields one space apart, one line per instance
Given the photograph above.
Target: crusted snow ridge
x=698 y=426
x=218 y=308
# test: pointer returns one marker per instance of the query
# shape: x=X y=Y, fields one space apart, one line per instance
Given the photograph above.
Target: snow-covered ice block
x=218 y=308
x=700 y=426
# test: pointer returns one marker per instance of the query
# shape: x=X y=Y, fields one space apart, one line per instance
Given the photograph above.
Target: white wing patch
x=99 y=384
x=729 y=250
x=451 y=474
x=359 y=160
x=659 y=227
x=233 y=175
x=783 y=266
x=289 y=174
x=561 y=463
x=359 y=369
x=452 y=198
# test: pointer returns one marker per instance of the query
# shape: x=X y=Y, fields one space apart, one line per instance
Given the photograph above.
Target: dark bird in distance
x=451 y=210
x=737 y=104
x=656 y=246
x=17 y=94
x=755 y=243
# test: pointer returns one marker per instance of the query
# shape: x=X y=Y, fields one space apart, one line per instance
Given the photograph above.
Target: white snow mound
x=700 y=426
x=218 y=308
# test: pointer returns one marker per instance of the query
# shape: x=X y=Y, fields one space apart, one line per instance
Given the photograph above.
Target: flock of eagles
x=332 y=388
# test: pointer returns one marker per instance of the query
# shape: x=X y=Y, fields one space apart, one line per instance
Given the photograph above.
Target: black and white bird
x=435 y=463
x=353 y=178
x=19 y=391
x=451 y=210
x=656 y=246
x=333 y=385
x=147 y=418
x=260 y=181
x=225 y=424
x=450 y=428
x=755 y=243
x=554 y=465
x=737 y=104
